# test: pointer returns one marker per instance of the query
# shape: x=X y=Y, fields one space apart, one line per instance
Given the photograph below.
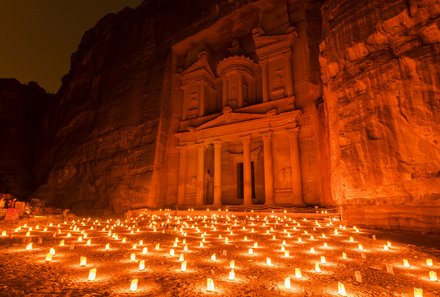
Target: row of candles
x=214 y=222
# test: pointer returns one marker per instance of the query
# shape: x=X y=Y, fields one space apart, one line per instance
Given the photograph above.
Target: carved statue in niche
x=283 y=178
x=235 y=49
x=209 y=186
x=191 y=185
x=278 y=89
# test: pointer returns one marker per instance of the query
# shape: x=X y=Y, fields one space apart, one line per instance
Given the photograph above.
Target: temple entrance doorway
x=240 y=180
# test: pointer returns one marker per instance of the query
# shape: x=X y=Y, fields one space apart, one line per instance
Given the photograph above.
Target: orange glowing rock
x=287 y=283
x=231 y=274
x=433 y=276
x=210 y=285
x=29 y=246
x=341 y=289
x=82 y=261
x=418 y=292
x=92 y=274
x=141 y=265
x=298 y=273
x=134 y=285
x=183 y=266
x=49 y=257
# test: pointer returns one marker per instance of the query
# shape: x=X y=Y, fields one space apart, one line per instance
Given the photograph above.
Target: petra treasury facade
x=238 y=137
x=243 y=104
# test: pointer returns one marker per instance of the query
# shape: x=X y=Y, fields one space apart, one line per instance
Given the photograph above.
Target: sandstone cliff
x=381 y=75
x=22 y=108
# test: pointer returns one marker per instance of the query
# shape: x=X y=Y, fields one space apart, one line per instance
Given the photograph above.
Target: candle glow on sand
x=218 y=241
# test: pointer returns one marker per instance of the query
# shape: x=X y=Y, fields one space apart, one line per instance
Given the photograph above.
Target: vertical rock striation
x=380 y=68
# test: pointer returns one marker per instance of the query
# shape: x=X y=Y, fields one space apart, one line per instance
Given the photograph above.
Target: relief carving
x=283 y=179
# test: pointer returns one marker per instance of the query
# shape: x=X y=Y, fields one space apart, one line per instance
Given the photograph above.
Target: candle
x=141 y=265
x=344 y=256
x=4 y=233
x=89 y=241
x=323 y=261
x=406 y=263
x=429 y=262
x=287 y=282
x=385 y=247
x=171 y=252
x=210 y=285
x=49 y=257
x=157 y=246
x=232 y=264
x=251 y=251
x=181 y=258
x=317 y=268
x=29 y=246
x=298 y=273
x=433 y=276
x=360 y=247
x=213 y=257
x=144 y=250
x=286 y=253
x=418 y=292
x=341 y=289
x=107 y=246
x=231 y=274
x=92 y=274
x=82 y=261
x=52 y=251
x=183 y=266
x=268 y=261
x=134 y=285
x=62 y=242
x=132 y=257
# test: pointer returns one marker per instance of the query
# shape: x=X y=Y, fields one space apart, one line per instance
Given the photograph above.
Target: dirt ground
x=27 y=273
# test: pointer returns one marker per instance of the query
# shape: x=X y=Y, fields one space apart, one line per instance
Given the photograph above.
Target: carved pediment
x=199 y=68
x=268 y=44
x=228 y=117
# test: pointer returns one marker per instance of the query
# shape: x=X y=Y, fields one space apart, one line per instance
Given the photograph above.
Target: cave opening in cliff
x=233 y=148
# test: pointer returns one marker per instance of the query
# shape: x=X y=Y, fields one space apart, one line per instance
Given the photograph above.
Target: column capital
x=217 y=142
x=182 y=147
x=266 y=136
x=245 y=138
x=293 y=131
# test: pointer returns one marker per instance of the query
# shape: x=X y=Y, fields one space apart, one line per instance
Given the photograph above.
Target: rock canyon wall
x=365 y=77
x=22 y=108
x=380 y=68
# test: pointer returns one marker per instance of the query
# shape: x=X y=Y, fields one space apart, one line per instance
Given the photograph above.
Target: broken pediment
x=266 y=45
x=200 y=68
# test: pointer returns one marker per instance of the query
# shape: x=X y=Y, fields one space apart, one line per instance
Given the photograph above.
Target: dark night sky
x=37 y=37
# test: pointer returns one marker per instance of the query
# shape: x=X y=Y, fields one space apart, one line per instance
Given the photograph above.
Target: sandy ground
x=26 y=273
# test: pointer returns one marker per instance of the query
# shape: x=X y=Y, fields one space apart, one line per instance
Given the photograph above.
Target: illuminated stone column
x=182 y=177
x=217 y=173
x=200 y=174
x=264 y=78
x=297 y=199
x=268 y=168
x=247 y=178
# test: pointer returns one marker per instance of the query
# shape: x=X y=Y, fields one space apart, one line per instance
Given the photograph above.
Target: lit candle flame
x=268 y=261
x=341 y=289
x=429 y=262
x=406 y=263
x=210 y=285
x=298 y=273
x=418 y=292
x=232 y=264
x=287 y=283
x=49 y=257
x=433 y=276
x=323 y=261
x=29 y=246
x=231 y=274
x=134 y=285
x=82 y=261
x=183 y=266
x=317 y=268
x=92 y=274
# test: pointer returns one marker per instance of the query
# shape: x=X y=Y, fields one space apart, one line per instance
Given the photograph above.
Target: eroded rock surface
x=379 y=62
